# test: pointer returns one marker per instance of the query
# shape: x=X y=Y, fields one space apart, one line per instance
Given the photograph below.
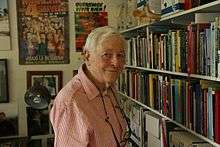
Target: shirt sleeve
x=70 y=126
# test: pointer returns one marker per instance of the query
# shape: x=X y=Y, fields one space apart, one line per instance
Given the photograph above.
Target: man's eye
x=120 y=55
x=107 y=55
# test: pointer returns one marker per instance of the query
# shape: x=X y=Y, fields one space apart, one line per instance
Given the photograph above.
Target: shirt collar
x=90 y=89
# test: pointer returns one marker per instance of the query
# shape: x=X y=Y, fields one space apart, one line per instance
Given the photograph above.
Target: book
x=186 y=139
x=153 y=141
x=152 y=124
x=217 y=117
x=171 y=6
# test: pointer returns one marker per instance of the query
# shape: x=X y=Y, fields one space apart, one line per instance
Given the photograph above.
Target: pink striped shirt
x=78 y=116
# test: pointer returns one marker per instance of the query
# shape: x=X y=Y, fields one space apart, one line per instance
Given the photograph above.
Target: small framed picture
x=4 y=94
x=52 y=80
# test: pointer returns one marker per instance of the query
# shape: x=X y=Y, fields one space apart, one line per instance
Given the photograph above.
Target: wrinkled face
x=107 y=62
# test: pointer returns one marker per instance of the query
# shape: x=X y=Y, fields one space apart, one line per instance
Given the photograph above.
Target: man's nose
x=117 y=61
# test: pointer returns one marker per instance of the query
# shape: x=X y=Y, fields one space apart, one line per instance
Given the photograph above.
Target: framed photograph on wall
x=52 y=80
x=5 y=40
x=4 y=94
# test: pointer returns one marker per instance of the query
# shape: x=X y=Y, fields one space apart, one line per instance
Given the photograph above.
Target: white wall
x=17 y=73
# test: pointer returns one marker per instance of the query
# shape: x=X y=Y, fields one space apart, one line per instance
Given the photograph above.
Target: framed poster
x=87 y=17
x=52 y=80
x=43 y=32
x=4 y=94
x=4 y=26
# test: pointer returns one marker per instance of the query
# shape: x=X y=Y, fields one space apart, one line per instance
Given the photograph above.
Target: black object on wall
x=38 y=96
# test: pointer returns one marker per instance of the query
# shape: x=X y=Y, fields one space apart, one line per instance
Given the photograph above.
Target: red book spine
x=189 y=49
x=187 y=4
x=217 y=117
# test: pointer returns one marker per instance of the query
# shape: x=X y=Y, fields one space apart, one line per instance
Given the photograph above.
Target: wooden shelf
x=188 y=15
x=169 y=119
x=202 y=77
x=192 y=76
x=134 y=28
x=135 y=140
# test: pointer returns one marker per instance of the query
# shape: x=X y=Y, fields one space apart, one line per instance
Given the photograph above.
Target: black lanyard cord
x=122 y=112
x=107 y=120
x=113 y=132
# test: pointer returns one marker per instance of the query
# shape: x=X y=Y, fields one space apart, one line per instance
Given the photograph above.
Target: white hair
x=98 y=35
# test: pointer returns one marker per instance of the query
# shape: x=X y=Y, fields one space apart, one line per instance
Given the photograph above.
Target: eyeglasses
x=108 y=56
x=126 y=138
x=127 y=134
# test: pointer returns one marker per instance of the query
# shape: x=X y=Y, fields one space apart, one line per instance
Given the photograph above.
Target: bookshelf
x=171 y=24
x=167 y=118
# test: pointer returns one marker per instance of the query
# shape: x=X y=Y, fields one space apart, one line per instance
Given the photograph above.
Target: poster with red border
x=87 y=17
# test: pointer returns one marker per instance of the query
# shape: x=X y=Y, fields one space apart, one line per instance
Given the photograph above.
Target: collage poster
x=4 y=25
x=87 y=17
x=43 y=29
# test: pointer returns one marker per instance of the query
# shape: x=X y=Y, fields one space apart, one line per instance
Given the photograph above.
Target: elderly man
x=86 y=111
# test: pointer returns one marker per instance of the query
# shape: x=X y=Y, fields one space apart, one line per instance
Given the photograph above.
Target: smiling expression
x=107 y=62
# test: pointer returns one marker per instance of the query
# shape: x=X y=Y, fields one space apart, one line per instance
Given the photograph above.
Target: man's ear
x=86 y=55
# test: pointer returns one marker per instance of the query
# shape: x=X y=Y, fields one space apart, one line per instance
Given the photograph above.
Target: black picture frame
x=52 y=80
x=4 y=91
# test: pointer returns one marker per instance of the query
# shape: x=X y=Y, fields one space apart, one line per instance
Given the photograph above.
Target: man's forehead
x=110 y=48
x=112 y=43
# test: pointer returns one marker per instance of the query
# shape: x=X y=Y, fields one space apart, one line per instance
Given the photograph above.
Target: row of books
x=152 y=130
x=132 y=112
x=193 y=50
x=166 y=134
x=173 y=6
x=204 y=48
x=159 y=51
x=194 y=104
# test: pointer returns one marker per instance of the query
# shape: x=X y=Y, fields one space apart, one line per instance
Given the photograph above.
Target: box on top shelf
x=171 y=6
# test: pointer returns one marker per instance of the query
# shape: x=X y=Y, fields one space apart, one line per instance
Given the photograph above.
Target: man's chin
x=111 y=81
